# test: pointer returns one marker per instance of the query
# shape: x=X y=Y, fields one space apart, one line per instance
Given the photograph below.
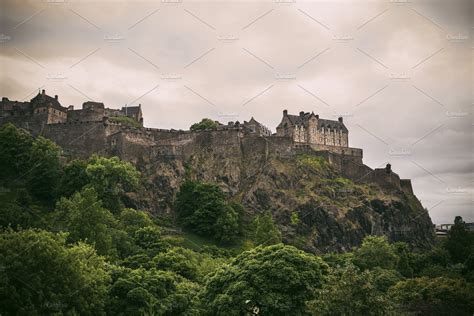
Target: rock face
x=336 y=198
x=337 y=204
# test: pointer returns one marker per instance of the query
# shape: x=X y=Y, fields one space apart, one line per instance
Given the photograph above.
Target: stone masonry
x=95 y=129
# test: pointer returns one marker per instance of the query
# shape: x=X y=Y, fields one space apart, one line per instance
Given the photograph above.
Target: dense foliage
x=70 y=244
x=350 y=291
x=205 y=123
x=277 y=280
x=264 y=231
x=204 y=209
x=41 y=274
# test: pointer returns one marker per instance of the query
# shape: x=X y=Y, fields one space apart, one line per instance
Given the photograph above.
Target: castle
x=309 y=128
x=95 y=129
x=44 y=109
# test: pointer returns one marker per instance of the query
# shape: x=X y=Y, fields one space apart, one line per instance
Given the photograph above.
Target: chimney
x=70 y=108
x=43 y=92
x=317 y=116
x=340 y=119
x=388 y=168
x=56 y=97
x=285 y=112
x=302 y=113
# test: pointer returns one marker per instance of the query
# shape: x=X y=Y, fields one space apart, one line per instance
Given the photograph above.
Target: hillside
x=334 y=213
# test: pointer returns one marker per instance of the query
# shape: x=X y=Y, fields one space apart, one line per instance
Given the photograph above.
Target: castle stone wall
x=387 y=180
x=32 y=123
x=86 y=115
x=80 y=139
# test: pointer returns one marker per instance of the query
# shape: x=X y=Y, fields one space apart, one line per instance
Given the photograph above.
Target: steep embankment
x=333 y=212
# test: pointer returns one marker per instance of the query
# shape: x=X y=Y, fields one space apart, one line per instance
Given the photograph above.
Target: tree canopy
x=205 y=123
x=375 y=251
x=42 y=275
x=204 y=209
x=349 y=291
x=277 y=280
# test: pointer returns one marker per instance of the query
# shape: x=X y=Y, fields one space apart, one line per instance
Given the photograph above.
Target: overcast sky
x=400 y=72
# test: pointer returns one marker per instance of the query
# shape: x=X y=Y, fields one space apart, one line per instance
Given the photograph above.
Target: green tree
x=263 y=230
x=29 y=174
x=349 y=291
x=85 y=219
x=227 y=225
x=41 y=275
x=459 y=242
x=149 y=240
x=278 y=280
x=151 y=292
x=403 y=263
x=111 y=178
x=437 y=296
x=437 y=257
x=74 y=177
x=203 y=125
x=45 y=171
x=203 y=209
x=375 y=251
x=383 y=279
x=17 y=209
x=131 y=220
x=179 y=260
x=15 y=147
x=338 y=260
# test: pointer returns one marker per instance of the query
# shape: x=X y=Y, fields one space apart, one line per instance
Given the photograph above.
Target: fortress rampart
x=95 y=129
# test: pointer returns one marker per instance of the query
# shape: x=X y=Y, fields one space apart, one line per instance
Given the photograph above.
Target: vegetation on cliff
x=79 y=247
x=205 y=123
x=125 y=120
x=203 y=208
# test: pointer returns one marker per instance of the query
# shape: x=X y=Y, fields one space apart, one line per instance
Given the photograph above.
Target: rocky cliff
x=334 y=212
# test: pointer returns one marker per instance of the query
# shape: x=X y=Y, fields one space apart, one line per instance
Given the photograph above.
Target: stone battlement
x=90 y=130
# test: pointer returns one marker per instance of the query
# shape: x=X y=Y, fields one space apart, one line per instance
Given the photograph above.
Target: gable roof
x=301 y=119
x=332 y=124
x=44 y=99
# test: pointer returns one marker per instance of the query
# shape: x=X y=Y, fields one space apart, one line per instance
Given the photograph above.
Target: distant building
x=48 y=110
x=255 y=127
x=443 y=229
x=42 y=105
x=309 y=128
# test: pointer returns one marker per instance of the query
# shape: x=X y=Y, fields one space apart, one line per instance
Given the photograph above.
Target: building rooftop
x=303 y=117
x=42 y=99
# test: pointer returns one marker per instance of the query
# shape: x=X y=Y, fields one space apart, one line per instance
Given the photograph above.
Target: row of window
x=54 y=111
x=314 y=130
